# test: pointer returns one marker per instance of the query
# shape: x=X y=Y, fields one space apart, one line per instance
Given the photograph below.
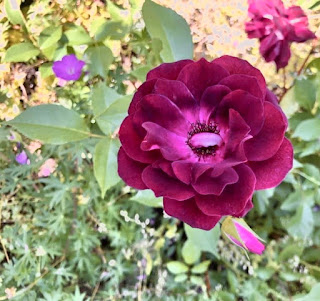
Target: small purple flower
x=69 y=68
x=22 y=158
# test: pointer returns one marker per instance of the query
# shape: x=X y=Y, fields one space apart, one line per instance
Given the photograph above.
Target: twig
x=207 y=282
x=4 y=250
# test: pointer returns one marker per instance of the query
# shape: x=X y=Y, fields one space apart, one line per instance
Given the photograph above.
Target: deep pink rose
x=276 y=27
x=204 y=135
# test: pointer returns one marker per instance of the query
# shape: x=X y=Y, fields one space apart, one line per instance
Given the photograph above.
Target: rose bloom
x=276 y=27
x=204 y=135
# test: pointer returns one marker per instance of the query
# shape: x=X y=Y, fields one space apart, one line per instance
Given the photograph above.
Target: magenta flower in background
x=22 y=158
x=69 y=68
x=276 y=27
x=204 y=135
x=239 y=233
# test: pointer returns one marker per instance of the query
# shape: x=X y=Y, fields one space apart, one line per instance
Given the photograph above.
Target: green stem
x=302 y=174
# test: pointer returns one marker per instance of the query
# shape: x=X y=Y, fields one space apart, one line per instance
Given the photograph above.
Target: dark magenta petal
x=271 y=172
x=131 y=142
x=267 y=142
x=178 y=93
x=200 y=75
x=233 y=199
x=159 y=109
x=271 y=97
x=249 y=107
x=244 y=82
x=163 y=185
x=246 y=209
x=210 y=99
x=238 y=131
x=165 y=166
x=172 y=146
x=188 y=212
x=299 y=21
x=130 y=171
x=208 y=184
x=235 y=65
x=261 y=8
x=168 y=70
x=145 y=89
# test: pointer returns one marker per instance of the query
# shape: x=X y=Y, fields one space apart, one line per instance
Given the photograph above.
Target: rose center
x=204 y=139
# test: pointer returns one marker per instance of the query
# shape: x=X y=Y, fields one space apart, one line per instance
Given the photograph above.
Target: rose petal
x=188 y=212
x=159 y=109
x=267 y=142
x=172 y=146
x=145 y=89
x=271 y=172
x=178 y=93
x=163 y=185
x=131 y=142
x=208 y=184
x=165 y=166
x=210 y=99
x=244 y=82
x=235 y=65
x=249 y=107
x=234 y=197
x=201 y=75
x=130 y=171
x=168 y=70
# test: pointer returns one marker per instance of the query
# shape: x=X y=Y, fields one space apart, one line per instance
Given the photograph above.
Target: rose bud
x=276 y=27
x=237 y=230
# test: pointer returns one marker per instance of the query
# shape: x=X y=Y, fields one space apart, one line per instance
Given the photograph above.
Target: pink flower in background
x=237 y=230
x=69 y=68
x=33 y=146
x=22 y=158
x=204 y=135
x=47 y=168
x=276 y=27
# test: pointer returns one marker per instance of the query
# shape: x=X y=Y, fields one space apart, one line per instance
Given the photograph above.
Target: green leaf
x=141 y=73
x=290 y=251
x=313 y=294
x=50 y=36
x=77 y=35
x=206 y=240
x=46 y=70
x=13 y=12
x=102 y=97
x=177 y=267
x=21 y=52
x=99 y=59
x=113 y=30
x=52 y=124
x=265 y=273
x=196 y=280
x=305 y=91
x=173 y=31
x=181 y=278
x=226 y=296
x=147 y=198
x=308 y=130
x=289 y=104
x=201 y=267
x=302 y=223
x=105 y=163
x=110 y=119
x=190 y=252
x=292 y=201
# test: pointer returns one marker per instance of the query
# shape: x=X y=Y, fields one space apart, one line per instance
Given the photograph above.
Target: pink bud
x=240 y=233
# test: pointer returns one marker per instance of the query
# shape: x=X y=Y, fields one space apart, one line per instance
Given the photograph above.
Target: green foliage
x=21 y=52
x=171 y=29
x=51 y=124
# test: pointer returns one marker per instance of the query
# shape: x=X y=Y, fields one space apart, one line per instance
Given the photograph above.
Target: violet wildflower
x=22 y=158
x=69 y=68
